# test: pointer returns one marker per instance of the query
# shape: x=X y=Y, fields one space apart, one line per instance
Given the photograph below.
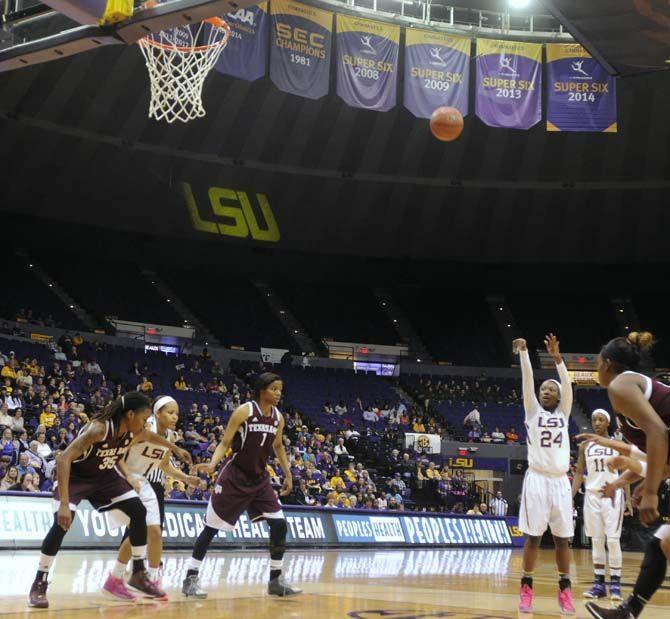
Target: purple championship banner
x=367 y=63
x=437 y=72
x=301 y=47
x=581 y=95
x=245 y=55
x=509 y=83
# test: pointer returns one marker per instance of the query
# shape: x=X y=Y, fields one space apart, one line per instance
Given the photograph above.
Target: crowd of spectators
x=43 y=406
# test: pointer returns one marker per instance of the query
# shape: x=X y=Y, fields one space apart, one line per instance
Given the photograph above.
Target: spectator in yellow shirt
x=336 y=480
x=351 y=473
x=8 y=371
x=180 y=384
x=48 y=418
x=418 y=425
x=343 y=500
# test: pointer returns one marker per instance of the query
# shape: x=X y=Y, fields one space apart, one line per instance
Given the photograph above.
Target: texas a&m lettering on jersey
x=253 y=443
x=102 y=455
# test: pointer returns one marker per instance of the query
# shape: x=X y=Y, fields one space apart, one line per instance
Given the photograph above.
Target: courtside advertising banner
x=245 y=55
x=300 y=48
x=367 y=63
x=437 y=72
x=25 y=520
x=509 y=83
x=581 y=95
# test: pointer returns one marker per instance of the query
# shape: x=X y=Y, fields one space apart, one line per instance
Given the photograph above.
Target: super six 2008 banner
x=367 y=63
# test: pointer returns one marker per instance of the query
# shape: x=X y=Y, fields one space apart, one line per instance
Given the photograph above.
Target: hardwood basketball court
x=456 y=583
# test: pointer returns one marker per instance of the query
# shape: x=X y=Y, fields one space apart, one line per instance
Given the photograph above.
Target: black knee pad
x=135 y=510
x=278 y=532
x=202 y=543
x=54 y=538
x=654 y=559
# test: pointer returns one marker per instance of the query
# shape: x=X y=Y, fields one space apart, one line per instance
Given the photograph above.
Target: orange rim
x=216 y=22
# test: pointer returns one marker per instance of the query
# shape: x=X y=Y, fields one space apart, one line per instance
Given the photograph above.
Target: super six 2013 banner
x=245 y=55
x=301 y=43
x=509 y=83
x=437 y=72
x=367 y=63
x=581 y=95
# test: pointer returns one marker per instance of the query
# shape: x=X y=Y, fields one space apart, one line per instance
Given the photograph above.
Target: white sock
x=276 y=564
x=46 y=561
x=193 y=564
x=153 y=573
x=119 y=569
x=138 y=552
x=599 y=571
x=615 y=571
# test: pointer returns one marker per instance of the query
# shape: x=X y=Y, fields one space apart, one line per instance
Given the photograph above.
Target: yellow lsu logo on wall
x=461 y=463
x=236 y=214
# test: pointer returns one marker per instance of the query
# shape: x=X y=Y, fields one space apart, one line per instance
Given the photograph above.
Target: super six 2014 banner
x=581 y=95
x=367 y=63
x=245 y=55
x=509 y=83
x=301 y=43
x=437 y=72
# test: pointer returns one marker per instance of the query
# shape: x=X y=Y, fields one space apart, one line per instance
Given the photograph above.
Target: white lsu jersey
x=597 y=473
x=547 y=432
x=144 y=458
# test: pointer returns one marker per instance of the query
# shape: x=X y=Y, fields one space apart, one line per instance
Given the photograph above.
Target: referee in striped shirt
x=498 y=505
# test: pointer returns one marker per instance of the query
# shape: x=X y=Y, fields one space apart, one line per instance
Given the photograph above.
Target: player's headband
x=558 y=385
x=162 y=401
x=603 y=412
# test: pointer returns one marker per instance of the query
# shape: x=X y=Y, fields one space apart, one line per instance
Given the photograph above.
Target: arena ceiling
x=78 y=146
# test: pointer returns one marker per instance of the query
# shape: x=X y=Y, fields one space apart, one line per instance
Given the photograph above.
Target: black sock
x=635 y=604
x=41 y=575
x=275 y=574
x=191 y=572
x=138 y=565
x=600 y=579
x=527 y=580
x=615 y=580
x=564 y=582
x=650 y=578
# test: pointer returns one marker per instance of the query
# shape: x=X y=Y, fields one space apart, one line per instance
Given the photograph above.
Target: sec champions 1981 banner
x=367 y=63
x=301 y=43
x=581 y=95
x=509 y=83
x=246 y=52
x=437 y=72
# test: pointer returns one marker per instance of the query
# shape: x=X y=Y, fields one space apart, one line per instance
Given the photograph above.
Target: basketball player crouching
x=546 y=499
x=603 y=516
x=255 y=429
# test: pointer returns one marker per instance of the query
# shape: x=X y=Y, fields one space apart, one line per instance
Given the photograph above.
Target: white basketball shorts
x=546 y=502
x=602 y=516
x=150 y=501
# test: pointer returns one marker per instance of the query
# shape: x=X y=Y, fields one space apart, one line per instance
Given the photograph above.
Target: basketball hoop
x=178 y=61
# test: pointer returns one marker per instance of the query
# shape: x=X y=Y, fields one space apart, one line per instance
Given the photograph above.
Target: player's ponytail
x=628 y=353
x=131 y=401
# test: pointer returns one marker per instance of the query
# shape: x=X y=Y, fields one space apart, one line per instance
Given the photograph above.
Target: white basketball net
x=179 y=61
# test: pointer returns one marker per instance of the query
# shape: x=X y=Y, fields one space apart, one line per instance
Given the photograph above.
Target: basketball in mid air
x=446 y=123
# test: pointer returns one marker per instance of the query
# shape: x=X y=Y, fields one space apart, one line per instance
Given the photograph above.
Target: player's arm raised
x=236 y=420
x=172 y=471
x=626 y=396
x=579 y=472
x=553 y=348
x=278 y=446
x=530 y=403
x=93 y=433
x=625 y=449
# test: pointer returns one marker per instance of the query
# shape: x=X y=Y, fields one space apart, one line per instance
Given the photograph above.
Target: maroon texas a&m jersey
x=252 y=444
x=658 y=395
x=104 y=454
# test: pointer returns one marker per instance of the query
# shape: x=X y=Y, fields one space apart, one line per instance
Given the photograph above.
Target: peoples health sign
x=25 y=520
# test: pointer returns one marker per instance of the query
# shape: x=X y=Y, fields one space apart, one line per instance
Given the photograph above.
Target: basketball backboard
x=33 y=32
